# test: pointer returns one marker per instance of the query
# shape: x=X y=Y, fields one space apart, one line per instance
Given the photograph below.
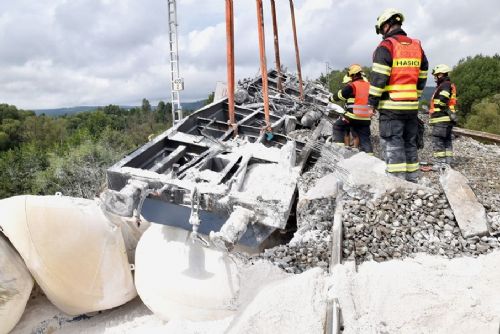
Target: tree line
x=43 y=155
x=478 y=88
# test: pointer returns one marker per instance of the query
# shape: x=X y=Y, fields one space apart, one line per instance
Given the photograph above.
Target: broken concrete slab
x=366 y=174
x=469 y=213
x=325 y=187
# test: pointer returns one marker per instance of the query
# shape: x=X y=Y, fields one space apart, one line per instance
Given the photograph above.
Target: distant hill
x=64 y=111
x=192 y=106
x=188 y=106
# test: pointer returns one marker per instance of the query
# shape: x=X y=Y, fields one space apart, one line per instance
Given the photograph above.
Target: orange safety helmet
x=354 y=69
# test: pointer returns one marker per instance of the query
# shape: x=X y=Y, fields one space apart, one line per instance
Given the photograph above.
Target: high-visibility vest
x=360 y=108
x=453 y=99
x=435 y=110
x=406 y=61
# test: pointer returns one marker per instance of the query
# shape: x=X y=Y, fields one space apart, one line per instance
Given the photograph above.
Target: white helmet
x=386 y=16
x=441 y=68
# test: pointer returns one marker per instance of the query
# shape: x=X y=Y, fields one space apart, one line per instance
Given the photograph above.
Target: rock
x=430 y=219
x=469 y=213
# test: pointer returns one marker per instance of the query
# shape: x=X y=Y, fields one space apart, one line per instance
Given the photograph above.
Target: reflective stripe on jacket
x=406 y=61
x=443 y=98
x=359 y=109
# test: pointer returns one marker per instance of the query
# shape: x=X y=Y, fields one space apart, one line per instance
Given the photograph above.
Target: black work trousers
x=360 y=128
x=400 y=141
x=442 y=142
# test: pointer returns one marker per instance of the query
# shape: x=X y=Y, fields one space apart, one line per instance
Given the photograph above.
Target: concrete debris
x=469 y=213
x=300 y=135
x=311 y=243
x=325 y=187
x=367 y=176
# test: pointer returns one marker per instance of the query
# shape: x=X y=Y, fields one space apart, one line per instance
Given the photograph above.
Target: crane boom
x=176 y=82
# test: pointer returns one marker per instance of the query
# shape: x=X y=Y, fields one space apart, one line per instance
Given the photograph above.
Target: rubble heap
x=401 y=224
x=477 y=161
x=311 y=244
x=286 y=102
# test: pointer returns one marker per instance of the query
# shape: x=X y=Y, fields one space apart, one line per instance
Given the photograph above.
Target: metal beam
x=263 y=62
x=297 y=53
x=276 y=45
x=230 y=62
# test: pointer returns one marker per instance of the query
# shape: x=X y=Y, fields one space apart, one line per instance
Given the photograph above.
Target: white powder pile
x=270 y=300
x=296 y=304
x=426 y=294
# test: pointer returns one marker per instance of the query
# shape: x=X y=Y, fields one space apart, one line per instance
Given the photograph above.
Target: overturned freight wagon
x=202 y=177
x=208 y=190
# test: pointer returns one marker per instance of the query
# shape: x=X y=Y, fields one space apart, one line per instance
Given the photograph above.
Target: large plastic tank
x=179 y=279
x=15 y=286
x=76 y=255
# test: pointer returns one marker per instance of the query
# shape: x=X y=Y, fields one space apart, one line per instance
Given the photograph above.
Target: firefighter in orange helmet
x=399 y=74
x=358 y=113
x=442 y=114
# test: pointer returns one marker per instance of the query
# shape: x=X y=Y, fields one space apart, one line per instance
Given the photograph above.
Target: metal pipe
x=263 y=63
x=230 y=62
x=276 y=45
x=297 y=53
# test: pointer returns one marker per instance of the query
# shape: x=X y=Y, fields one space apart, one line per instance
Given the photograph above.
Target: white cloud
x=64 y=53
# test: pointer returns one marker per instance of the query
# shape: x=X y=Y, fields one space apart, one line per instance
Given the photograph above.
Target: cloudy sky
x=62 y=53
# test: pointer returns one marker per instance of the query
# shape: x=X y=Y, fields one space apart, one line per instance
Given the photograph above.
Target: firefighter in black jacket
x=358 y=113
x=442 y=114
x=399 y=74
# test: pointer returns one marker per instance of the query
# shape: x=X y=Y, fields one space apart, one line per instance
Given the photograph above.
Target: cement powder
x=271 y=301
x=425 y=294
x=293 y=305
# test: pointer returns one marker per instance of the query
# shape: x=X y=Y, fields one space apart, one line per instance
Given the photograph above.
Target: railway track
x=483 y=136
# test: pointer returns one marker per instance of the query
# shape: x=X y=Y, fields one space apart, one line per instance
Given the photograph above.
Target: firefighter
x=399 y=74
x=442 y=114
x=350 y=138
x=358 y=113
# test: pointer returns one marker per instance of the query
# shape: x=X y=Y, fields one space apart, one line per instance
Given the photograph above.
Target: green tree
x=81 y=172
x=113 y=110
x=19 y=167
x=209 y=99
x=146 y=106
x=163 y=111
x=476 y=78
x=4 y=141
x=68 y=153
x=485 y=115
x=333 y=80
